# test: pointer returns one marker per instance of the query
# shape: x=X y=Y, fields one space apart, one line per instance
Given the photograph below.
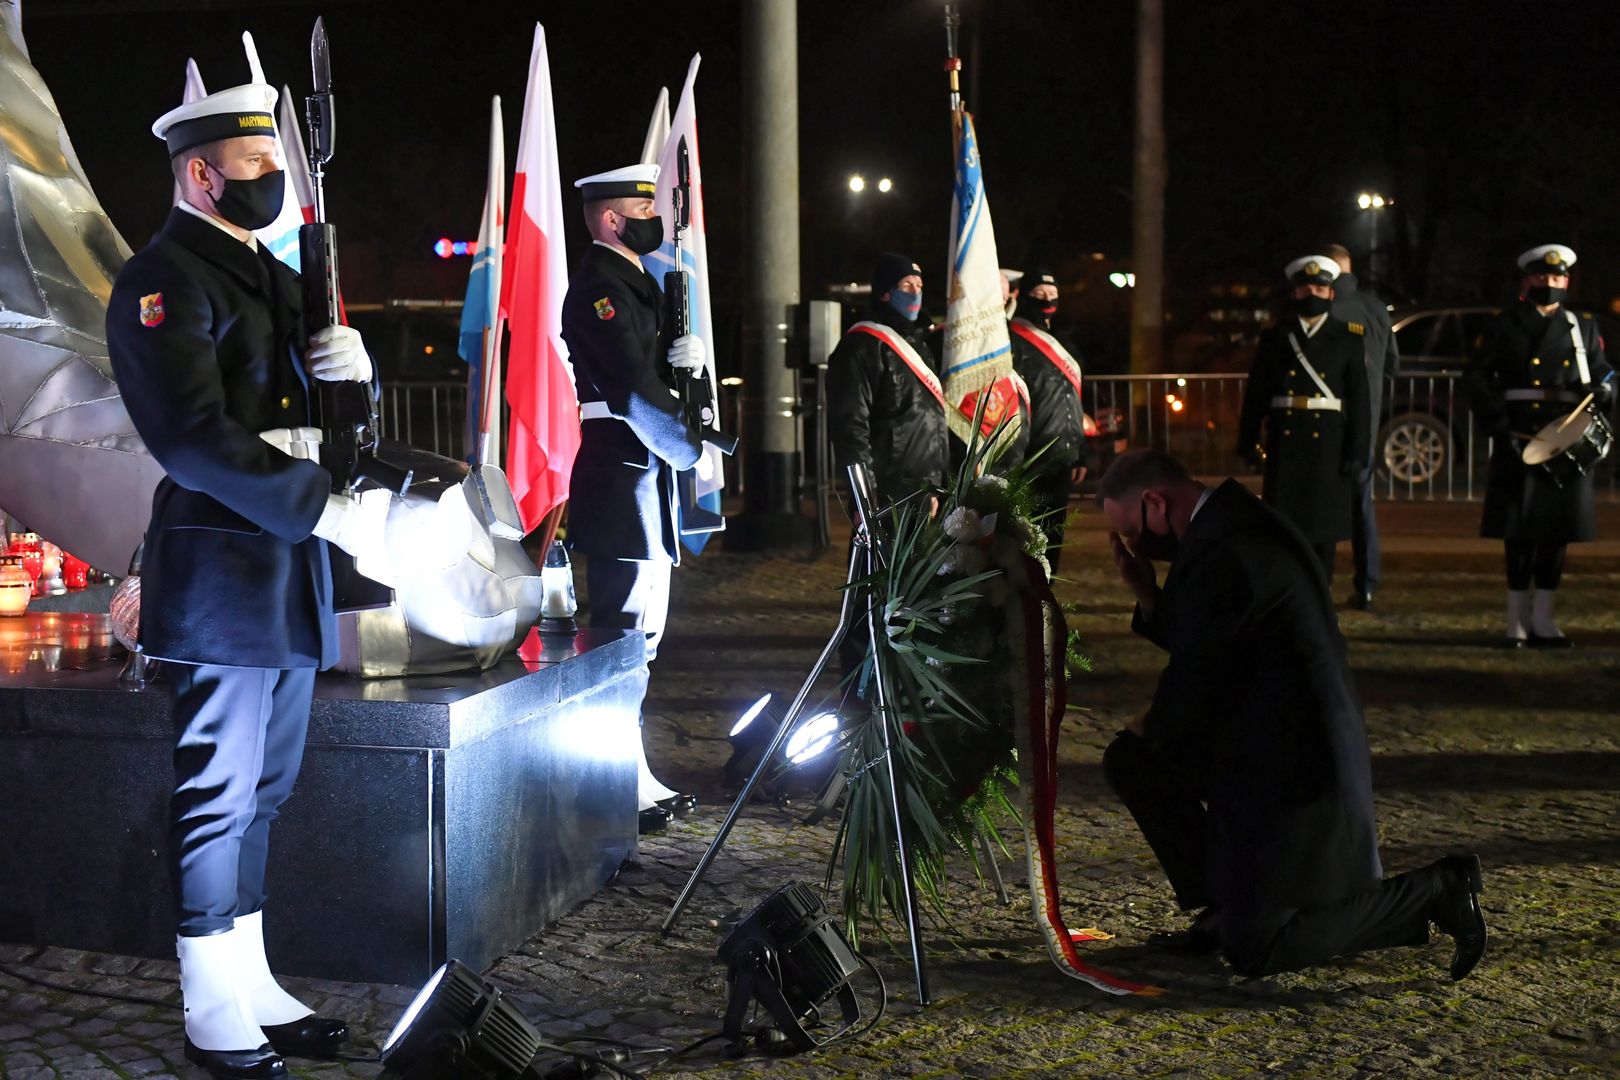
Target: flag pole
x=489 y=434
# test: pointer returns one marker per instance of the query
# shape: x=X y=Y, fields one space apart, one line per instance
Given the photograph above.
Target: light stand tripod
x=864 y=559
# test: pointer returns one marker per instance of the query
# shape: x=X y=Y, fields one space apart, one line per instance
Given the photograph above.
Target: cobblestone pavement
x=1513 y=755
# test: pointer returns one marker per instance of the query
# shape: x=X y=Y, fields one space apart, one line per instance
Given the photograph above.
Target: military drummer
x=1308 y=387
x=1534 y=365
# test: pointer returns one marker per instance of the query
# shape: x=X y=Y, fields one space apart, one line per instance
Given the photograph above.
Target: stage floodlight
x=788 y=955
x=749 y=716
x=812 y=738
x=749 y=737
x=460 y=1026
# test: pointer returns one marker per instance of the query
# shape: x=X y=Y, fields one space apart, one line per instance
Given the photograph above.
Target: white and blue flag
x=976 y=350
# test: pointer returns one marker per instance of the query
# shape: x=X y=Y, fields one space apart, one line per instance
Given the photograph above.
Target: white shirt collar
x=1199 y=505
x=1311 y=328
x=619 y=252
x=252 y=241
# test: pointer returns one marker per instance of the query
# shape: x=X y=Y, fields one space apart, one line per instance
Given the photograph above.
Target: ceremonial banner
x=544 y=431
x=281 y=235
x=976 y=349
x=194 y=91
x=297 y=163
x=480 y=342
x=652 y=147
x=695 y=259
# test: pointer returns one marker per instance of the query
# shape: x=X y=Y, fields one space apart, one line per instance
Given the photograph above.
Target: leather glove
x=357 y=526
x=687 y=353
x=337 y=354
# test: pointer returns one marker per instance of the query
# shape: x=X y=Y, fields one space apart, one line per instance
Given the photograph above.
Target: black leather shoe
x=261 y=1064
x=654 y=819
x=1202 y=938
x=312 y=1037
x=679 y=805
x=1361 y=601
x=1536 y=641
x=1456 y=910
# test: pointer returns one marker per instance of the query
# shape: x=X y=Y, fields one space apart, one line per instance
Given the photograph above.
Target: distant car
x=412 y=340
x=1425 y=415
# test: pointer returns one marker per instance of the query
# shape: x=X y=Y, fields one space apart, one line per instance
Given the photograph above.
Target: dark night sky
x=1490 y=125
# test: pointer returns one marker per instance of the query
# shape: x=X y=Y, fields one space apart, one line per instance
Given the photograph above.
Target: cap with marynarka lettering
x=630 y=182
x=248 y=109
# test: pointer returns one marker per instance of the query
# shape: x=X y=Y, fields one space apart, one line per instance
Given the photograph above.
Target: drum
x=1571 y=447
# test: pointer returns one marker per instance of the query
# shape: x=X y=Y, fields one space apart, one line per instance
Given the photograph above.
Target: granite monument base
x=435 y=817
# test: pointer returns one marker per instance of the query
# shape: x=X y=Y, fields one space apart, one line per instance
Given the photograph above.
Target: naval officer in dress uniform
x=634 y=437
x=1537 y=361
x=1308 y=387
x=211 y=356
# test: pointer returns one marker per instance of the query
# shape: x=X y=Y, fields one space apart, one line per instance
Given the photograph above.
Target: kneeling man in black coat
x=1249 y=773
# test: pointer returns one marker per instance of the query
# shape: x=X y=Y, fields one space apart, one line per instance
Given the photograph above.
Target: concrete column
x=1147 y=230
x=771 y=272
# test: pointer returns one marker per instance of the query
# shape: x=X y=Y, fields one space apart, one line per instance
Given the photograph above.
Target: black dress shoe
x=261 y=1064
x=679 y=805
x=1557 y=641
x=1456 y=910
x=1361 y=601
x=654 y=819
x=1202 y=938
x=312 y=1037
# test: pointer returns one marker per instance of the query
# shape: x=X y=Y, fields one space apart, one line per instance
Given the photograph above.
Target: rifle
x=695 y=389
x=346 y=412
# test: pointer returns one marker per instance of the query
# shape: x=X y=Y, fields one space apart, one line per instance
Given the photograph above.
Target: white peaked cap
x=248 y=109
x=1312 y=270
x=1547 y=259
x=630 y=182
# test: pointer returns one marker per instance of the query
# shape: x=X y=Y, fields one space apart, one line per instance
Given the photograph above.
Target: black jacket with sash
x=622 y=500
x=1057 y=419
x=1523 y=375
x=1312 y=453
x=1258 y=701
x=881 y=415
x=206 y=339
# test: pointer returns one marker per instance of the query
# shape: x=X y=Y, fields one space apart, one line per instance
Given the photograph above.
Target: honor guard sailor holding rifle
x=1537 y=362
x=634 y=436
x=207 y=342
x=1308 y=386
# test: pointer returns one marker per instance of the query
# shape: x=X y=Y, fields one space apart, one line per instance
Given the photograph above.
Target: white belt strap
x=303 y=443
x=1539 y=395
x=1580 y=347
x=594 y=410
x=1299 y=353
x=1331 y=404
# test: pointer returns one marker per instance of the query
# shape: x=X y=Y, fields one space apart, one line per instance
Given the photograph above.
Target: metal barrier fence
x=1427 y=446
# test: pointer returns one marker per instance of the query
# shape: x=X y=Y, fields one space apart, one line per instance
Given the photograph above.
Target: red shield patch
x=604 y=308
x=152 y=309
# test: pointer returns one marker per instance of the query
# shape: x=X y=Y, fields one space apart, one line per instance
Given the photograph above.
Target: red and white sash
x=1005 y=394
x=1050 y=348
x=907 y=352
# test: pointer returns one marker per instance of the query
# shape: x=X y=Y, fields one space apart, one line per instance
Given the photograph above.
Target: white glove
x=705 y=465
x=687 y=352
x=337 y=354
x=303 y=443
x=357 y=526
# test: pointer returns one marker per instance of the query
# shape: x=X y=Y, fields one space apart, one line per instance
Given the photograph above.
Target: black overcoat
x=1257 y=700
x=1057 y=420
x=1527 y=351
x=206 y=337
x=622 y=493
x=881 y=415
x=1311 y=454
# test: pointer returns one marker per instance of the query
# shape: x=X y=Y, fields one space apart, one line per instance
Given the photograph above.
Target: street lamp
x=1372 y=202
x=857 y=183
x=885 y=185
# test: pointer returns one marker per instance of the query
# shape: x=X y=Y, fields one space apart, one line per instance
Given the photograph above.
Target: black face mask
x=1038 y=310
x=1159 y=547
x=1310 y=305
x=251 y=204
x=642 y=235
x=1542 y=295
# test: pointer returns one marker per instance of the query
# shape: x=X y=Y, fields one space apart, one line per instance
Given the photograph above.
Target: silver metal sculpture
x=73 y=467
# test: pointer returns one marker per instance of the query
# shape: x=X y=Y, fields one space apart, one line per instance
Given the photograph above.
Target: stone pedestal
x=435 y=817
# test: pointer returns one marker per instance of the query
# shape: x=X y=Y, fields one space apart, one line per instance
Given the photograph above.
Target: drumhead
x=1556 y=438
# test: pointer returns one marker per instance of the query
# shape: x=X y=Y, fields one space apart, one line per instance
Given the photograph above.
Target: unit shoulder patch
x=152 y=309
x=1356 y=328
x=604 y=308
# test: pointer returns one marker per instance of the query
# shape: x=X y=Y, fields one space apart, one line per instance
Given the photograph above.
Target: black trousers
x=1167 y=805
x=1364 y=547
x=239 y=741
x=630 y=594
x=1534 y=560
x=1328 y=555
x=1051 y=491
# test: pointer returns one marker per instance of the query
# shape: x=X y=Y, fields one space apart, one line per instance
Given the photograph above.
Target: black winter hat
x=889 y=270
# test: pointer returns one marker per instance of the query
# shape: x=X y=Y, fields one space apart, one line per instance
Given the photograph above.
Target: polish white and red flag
x=543 y=435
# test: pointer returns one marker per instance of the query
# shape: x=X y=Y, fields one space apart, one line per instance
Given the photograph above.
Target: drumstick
x=1577 y=410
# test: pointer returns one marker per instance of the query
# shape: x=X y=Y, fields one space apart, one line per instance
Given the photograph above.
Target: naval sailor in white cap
x=1308 y=386
x=211 y=356
x=1537 y=361
x=634 y=437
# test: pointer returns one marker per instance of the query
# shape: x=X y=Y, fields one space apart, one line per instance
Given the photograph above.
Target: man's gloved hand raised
x=358 y=526
x=687 y=353
x=337 y=354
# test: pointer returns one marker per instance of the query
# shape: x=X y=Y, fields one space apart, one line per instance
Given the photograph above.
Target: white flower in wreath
x=990 y=484
x=962 y=524
x=964 y=559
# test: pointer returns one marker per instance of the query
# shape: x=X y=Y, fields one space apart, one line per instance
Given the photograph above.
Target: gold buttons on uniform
x=1316 y=434
x=1535 y=359
x=1290 y=374
x=1535 y=382
x=286 y=403
x=1286 y=431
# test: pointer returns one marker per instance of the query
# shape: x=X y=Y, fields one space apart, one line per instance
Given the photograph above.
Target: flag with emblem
x=543 y=435
x=652 y=147
x=977 y=355
x=695 y=259
x=281 y=235
x=480 y=341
